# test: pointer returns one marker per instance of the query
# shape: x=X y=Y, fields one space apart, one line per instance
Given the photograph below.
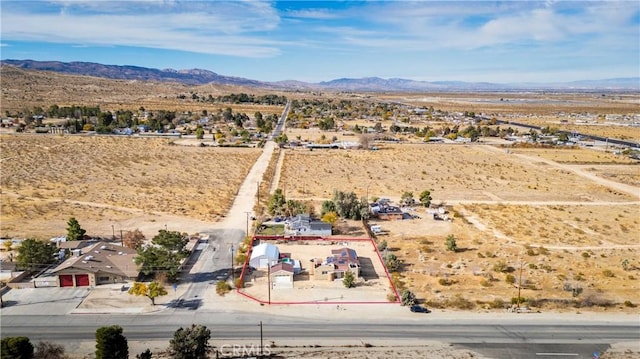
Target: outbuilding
x=263 y=255
x=281 y=276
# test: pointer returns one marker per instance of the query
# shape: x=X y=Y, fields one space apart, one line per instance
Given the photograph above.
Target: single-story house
x=281 y=276
x=303 y=225
x=263 y=255
x=333 y=267
x=100 y=263
x=389 y=213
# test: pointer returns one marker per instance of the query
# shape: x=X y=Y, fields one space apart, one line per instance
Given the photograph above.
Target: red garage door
x=82 y=280
x=66 y=280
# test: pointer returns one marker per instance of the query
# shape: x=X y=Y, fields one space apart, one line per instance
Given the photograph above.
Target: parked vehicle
x=419 y=309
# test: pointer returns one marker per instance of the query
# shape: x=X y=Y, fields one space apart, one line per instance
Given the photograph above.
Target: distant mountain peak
x=372 y=84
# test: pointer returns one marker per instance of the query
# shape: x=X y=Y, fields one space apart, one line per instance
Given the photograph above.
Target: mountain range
x=373 y=84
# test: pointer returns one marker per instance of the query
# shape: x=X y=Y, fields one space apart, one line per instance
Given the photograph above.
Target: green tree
x=382 y=245
x=328 y=206
x=563 y=136
x=276 y=203
x=199 y=133
x=111 y=344
x=392 y=262
x=450 y=242
x=348 y=205
x=408 y=298
x=34 y=254
x=407 y=199
x=152 y=291
x=349 y=279
x=16 y=348
x=74 y=231
x=48 y=350
x=190 y=343
x=170 y=240
x=425 y=198
x=157 y=259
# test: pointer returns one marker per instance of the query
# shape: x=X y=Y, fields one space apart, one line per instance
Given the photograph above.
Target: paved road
x=500 y=339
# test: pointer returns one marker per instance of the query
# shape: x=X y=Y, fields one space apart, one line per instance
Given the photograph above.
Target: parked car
x=419 y=309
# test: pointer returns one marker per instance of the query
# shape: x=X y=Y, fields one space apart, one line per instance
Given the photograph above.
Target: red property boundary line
x=333 y=239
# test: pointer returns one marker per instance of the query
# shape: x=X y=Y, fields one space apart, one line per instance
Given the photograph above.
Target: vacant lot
x=505 y=204
x=450 y=172
x=105 y=181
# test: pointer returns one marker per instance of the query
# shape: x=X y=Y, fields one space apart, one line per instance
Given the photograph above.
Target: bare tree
x=133 y=239
x=365 y=141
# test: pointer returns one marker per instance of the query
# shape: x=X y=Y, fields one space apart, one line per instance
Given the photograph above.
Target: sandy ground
x=372 y=286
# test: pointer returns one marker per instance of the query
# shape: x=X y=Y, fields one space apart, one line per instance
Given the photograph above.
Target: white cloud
x=229 y=29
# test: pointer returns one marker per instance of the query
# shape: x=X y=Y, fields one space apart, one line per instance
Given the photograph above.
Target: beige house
x=100 y=263
x=333 y=267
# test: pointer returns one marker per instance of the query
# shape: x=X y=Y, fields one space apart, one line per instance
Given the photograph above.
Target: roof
x=282 y=267
x=103 y=257
x=265 y=249
x=74 y=244
x=346 y=253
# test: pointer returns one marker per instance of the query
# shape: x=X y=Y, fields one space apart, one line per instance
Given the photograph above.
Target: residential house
x=100 y=263
x=335 y=266
x=389 y=213
x=303 y=225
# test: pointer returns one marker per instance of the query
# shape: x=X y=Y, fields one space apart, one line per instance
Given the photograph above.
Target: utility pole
x=269 y=279
x=233 y=270
x=121 y=239
x=247 y=213
x=113 y=232
x=261 y=342
x=519 y=286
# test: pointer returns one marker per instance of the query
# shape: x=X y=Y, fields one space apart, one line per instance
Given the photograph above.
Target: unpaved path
x=621 y=187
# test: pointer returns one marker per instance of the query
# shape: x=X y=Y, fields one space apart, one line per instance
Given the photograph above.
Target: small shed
x=263 y=255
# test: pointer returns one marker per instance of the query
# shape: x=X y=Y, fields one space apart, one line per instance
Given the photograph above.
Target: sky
x=313 y=41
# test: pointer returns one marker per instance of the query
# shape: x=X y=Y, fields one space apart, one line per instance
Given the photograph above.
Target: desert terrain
x=561 y=224
x=126 y=183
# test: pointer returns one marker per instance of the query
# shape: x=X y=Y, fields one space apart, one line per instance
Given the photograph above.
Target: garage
x=66 y=280
x=282 y=281
x=82 y=280
x=282 y=276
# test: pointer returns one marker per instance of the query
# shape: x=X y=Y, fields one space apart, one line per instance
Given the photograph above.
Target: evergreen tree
x=16 y=348
x=190 y=343
x=74 y=231
x=349 y=279
x=111 y=344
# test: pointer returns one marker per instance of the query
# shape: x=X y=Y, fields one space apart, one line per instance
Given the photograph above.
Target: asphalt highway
x=500 y=339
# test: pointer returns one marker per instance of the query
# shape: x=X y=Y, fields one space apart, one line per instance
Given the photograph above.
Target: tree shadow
x=189 y=304
x=9 y=303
